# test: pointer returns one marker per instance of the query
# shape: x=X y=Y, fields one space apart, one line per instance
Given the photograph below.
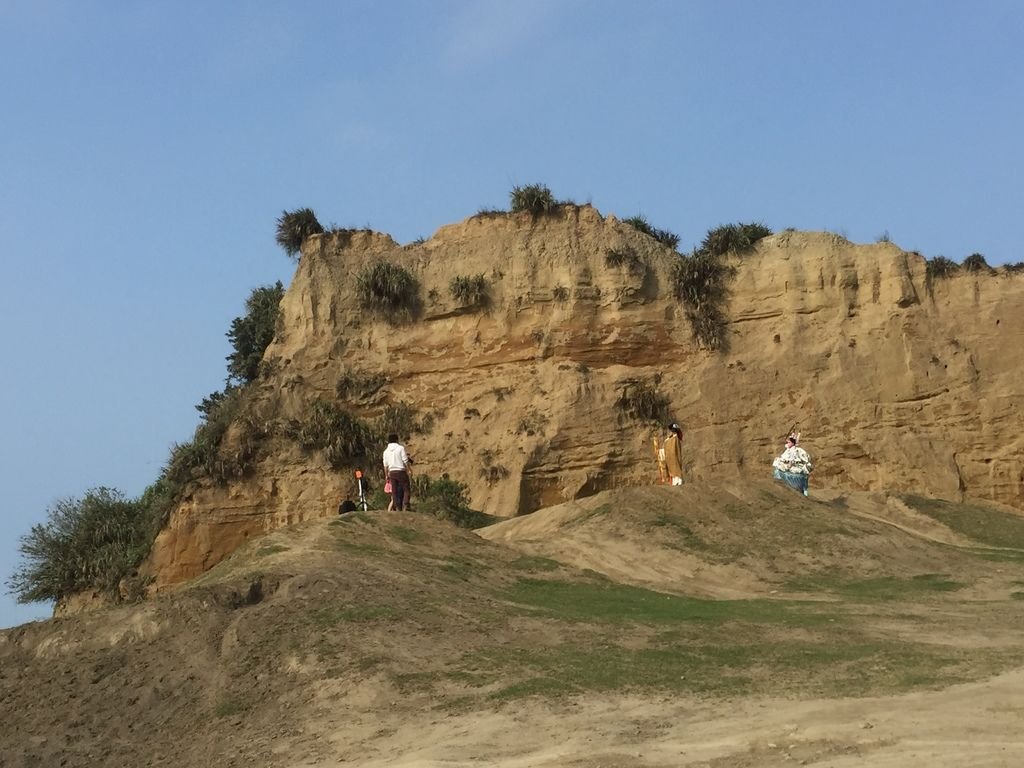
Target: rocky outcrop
x=896 y=382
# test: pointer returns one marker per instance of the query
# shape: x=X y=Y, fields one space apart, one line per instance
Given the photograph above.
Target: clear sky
x=146 y=149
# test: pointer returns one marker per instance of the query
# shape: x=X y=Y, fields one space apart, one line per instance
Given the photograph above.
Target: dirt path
x=979 y=725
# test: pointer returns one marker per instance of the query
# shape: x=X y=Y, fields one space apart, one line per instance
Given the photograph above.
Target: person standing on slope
x=674 y=453
x=396 y=467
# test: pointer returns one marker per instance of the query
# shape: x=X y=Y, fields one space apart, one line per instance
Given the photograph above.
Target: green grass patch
x=835 y=668
x=1017 y=595
x=984 y=525
x=405 y=534
x=609 y=602
x=534 y=564
x=591 y=514
x=271 y=549
x=462 y=567
x=690 y=540
x=335 y=615
x=231 y=707
x=996 y=555
x=356 y=517
x=879 y=588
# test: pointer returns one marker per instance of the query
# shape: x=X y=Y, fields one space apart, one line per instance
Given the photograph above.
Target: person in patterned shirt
x=794 y=466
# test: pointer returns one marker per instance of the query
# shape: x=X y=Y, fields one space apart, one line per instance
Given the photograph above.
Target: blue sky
x=146 y=149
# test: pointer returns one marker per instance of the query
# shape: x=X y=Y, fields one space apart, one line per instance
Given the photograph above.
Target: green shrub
x=535 y=199
x=663 y=236
x=251 y=334
x=642 y=400
x=385 y=286
x=353 y=384
x=1013 y=268
x=342 y=436
x=701 y=282
x=941 y=267
x=976 y=263
x=293 y=227
x=446 y=499
x=735 y=238
x=491 y=471
x=206 y=455
x=90 y=543
x=489 y=213
x=628 y=258
x=400 y=419
x=469 y=291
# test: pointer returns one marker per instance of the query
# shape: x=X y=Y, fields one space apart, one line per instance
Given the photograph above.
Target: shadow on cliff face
x=319 y=641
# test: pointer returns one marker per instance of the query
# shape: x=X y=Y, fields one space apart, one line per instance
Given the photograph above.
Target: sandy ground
x=979 y=725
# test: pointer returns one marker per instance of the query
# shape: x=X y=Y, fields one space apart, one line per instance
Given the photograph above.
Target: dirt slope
x=739 y=540
x=872 y=630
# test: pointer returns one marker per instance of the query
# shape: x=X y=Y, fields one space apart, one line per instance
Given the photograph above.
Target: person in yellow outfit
x=674 y=453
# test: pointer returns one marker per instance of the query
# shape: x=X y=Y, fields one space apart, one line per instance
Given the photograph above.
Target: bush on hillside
x=446 y=499
x=663 y=236
x=400 y=419
x=386 y=287
x=357 y=385
x=735 y=238
x=1014 y=268
x=535 y=199
x=90 y=543
x=293 y=227
x=206 y=454
x=342 y=436
x=489 y=213
x=941 y=267
x=628 y=258
x=701 y=283
x=470 y=291
x=976 y=263
x=251 y=334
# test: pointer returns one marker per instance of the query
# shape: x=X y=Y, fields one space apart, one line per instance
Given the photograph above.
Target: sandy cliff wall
x=895 y=383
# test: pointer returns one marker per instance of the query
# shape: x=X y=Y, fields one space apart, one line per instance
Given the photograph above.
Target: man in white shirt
x=396 y=467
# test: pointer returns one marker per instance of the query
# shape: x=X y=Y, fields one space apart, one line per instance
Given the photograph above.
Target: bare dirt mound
x=593 y=634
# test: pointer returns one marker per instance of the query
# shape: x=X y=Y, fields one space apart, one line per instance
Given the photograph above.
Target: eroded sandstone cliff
x=897 y=382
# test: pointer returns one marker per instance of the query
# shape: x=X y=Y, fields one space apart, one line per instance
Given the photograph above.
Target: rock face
x=897 y=382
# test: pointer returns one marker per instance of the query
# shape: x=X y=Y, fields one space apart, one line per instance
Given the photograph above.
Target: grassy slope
x=390 y=612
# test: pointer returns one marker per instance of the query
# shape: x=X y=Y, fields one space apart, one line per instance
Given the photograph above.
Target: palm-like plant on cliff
x=535 y=199
x=387 y=287
x=733 y=238
x=663 y=236
x=941 y=267
x=701 y=283
x=293 y=227
x=976 y=263
x=469 y=290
